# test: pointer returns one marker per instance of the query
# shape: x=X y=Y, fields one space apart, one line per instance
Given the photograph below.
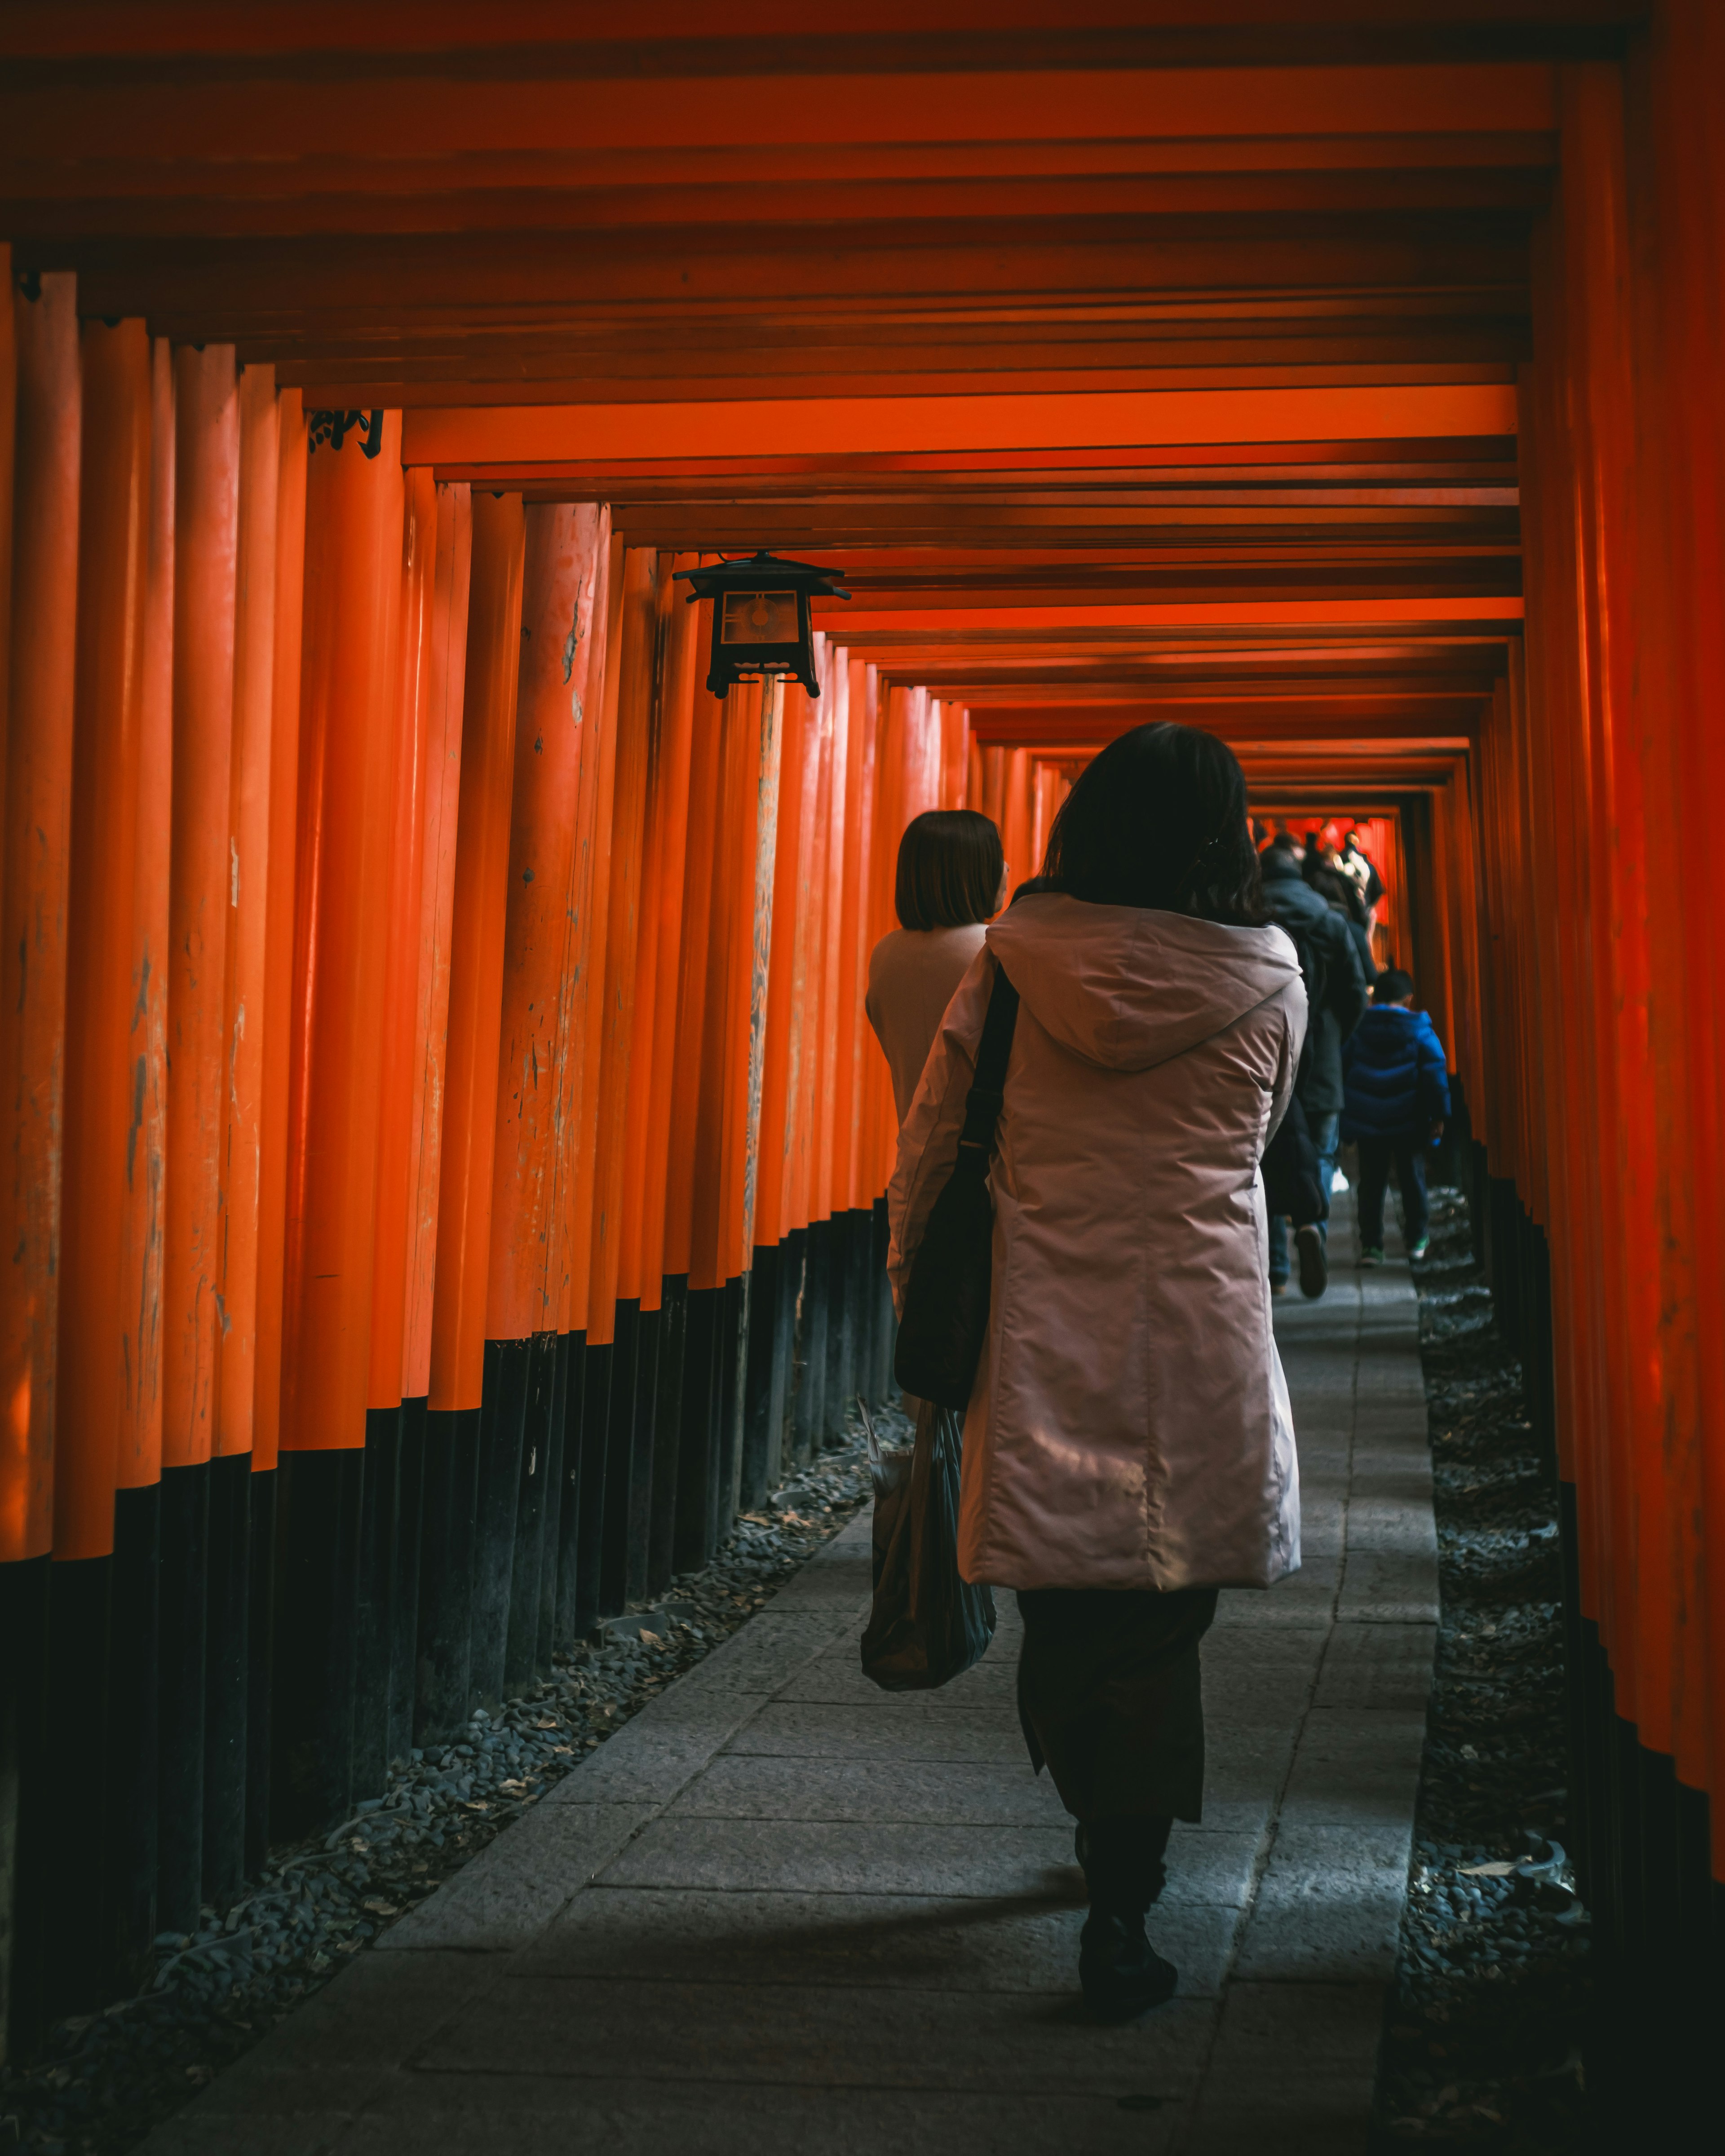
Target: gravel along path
x=1484 y=2042
x=108 y=2079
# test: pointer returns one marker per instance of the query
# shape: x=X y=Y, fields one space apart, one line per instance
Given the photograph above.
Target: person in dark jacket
x=1337 y=996
x=1339 y=890
x=1397 y=1101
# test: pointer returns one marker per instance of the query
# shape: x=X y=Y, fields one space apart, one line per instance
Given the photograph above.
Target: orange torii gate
x=443 y=1146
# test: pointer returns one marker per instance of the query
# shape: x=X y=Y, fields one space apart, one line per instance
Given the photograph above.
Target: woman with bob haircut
x=952 y=882
x=1128 y=1446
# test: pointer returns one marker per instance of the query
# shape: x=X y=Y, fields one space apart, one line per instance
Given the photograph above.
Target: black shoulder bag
x=944 y=1325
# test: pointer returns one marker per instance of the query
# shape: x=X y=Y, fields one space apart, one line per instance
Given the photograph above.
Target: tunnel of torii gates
x=444 y=1150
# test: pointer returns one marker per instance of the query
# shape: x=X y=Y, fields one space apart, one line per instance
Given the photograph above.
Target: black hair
x=1391 y=985
x=949 y=869
x=1158 y=819
x=1340 y=890
x=1284 y=842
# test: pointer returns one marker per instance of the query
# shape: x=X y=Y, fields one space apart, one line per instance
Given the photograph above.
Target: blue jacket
x=1396 y=1080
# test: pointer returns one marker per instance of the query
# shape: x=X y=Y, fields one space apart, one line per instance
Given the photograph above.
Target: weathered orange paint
x=98 y=1193
x=402 y=1056
x=444 y=661
x=493 y=670
x=35 y=828
x=629 y=687
x=138 y=1462
x=695 y=960
x=250 y=827
x=201 y=878
x=563 y=549
x=679 y=655
x=592 y=902
x=349 y=701
x=278 y=1010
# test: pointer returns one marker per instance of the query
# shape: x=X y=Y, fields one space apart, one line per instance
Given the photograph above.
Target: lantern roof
x=745 y=573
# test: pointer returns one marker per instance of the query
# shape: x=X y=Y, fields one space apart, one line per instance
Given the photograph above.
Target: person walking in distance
x=951 y=882
x=1335 y=992
x=1128 y=1445
x=1398 y=1103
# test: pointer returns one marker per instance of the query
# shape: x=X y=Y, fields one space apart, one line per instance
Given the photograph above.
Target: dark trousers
x=1375 y=1156
x=1110 y=1700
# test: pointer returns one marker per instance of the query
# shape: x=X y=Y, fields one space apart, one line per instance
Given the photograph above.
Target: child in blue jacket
x=1396 y=1084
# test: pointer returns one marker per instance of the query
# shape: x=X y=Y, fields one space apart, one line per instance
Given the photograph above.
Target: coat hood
x=1128 y=989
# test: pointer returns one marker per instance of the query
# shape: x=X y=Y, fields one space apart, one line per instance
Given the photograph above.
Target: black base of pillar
x=226 y=1674
x=650 y=1327
x=134 y=1676
x=573 y=1380
x=25 y=1800
x=697 y=1441
x=378 y=1528
x=764 y=1381
x=598 y=1368
x=809 y=1411
x=533 y=1501
x=730 y=1365
x=181 y=1700
x=668 y=1418
x=78 y=1619
x=319 y=1501
x=449 y=1488
x=619 y=1445
x=404 y=1578
x=886 y=1324
x=260 y=1651
x=503 y=1406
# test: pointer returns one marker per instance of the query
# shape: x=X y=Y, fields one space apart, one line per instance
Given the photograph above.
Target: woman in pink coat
x=1128 y=1448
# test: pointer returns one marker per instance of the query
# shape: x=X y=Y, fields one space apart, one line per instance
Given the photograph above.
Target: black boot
x=1122 y=1974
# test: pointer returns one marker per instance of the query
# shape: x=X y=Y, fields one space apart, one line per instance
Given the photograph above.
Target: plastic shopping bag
x=927 y=1625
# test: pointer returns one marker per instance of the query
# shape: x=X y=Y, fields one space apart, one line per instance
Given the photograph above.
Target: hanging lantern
x=762 y=623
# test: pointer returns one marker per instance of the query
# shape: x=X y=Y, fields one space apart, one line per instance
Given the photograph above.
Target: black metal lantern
x=761 y=623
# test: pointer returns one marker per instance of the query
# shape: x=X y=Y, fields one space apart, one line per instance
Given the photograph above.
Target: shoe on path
x=1418 y=1249
x=1314 y=1264
x=1122 y=1974
x=1371 y=1257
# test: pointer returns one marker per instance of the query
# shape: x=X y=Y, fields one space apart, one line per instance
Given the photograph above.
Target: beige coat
x=1130 y=1426
x=912 y=972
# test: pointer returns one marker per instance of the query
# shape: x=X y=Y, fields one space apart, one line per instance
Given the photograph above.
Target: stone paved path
x=780 y=1910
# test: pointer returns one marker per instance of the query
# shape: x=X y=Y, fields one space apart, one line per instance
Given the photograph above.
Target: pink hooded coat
x=1130 y=1426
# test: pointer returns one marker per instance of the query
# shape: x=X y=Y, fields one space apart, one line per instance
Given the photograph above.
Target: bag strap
x=988 y=1090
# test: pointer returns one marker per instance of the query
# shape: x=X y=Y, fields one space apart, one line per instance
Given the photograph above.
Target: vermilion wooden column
x=37 y=807
x=96 y=1334
x=612 y=1322
x=35 y=823
x=113 y=511
x=443 y=1530
x=662 y=1304
x=445 y=662
x=206 y=530
x=476 y=963
x=389 y=1527
x=207 y=502
x=273 y=1091
x=135 y=1609
x=828 y=1198
x=1677 y=202
x=250 y=868
x=693 y=1117
x=564 y=547
x=349 y=708
x=579 y=1570
x=458 y=1655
